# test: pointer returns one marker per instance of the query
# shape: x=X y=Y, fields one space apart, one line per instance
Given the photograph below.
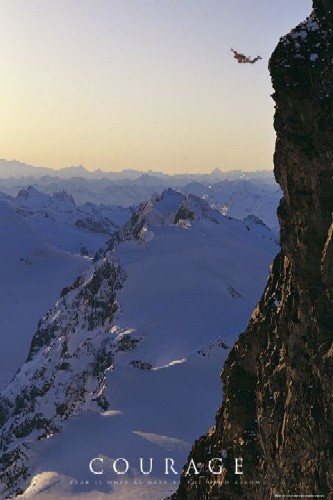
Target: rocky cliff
x=277 y=408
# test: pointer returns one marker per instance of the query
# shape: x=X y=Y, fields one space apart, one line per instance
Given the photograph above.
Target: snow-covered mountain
x=241 y=198
x=126 y=363
x=235 y=193
x=42 y=239
x=238 y=198
x=33 y=272
x=56 y=217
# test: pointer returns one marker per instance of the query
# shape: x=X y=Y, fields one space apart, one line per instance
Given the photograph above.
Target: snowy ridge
x=57 y=218
x=64 y=372
x=171 y=207
x=241 y=198
x=32 y=198
x=33 y=273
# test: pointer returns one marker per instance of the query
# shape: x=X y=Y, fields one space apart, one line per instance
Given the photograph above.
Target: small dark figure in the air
x=241 y=58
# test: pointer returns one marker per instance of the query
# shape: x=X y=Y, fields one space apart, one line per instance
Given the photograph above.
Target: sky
x=144 y=84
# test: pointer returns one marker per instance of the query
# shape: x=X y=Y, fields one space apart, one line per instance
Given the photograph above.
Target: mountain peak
x=27 y=192
x=32 y=197
x=63 y=198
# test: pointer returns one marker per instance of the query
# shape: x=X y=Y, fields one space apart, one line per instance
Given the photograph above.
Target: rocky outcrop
x=103 y=225
x=171 y=207
x=277 y=412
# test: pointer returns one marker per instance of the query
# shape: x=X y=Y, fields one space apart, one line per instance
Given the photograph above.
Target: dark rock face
x=277 y=412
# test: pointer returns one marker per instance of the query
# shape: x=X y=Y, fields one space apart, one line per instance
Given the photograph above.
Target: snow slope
x=127 y=362
x=241 y=198
x=76 y=229
x=33 y=273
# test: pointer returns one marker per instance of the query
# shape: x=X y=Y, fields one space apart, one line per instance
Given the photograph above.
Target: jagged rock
x=171 y=207
x=142 y=365
x=104 y=225
x=277 y=408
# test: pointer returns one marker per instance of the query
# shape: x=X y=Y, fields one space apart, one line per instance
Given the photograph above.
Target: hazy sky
x=145 y=84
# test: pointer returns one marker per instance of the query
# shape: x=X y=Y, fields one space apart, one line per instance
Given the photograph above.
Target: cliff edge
x=278 y=401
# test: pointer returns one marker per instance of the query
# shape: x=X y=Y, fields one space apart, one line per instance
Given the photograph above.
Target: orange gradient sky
x=144 y=84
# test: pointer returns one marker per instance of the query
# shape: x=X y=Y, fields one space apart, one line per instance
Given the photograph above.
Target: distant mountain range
x=235 y=193
x=13 y=169
x=17 y=169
